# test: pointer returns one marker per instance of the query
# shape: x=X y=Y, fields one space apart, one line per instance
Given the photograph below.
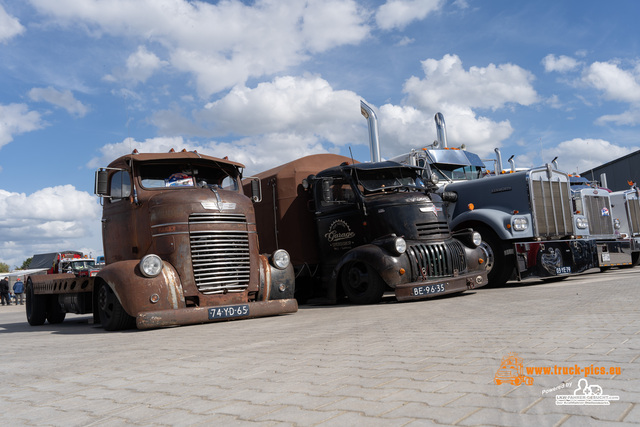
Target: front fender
x=275 y=283
x=137 y=293
x=387 y=265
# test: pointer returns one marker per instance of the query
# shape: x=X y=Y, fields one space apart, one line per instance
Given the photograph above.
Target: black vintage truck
x=359 y=229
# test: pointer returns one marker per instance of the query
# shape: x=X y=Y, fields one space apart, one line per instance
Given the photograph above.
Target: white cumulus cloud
x=222 y=44
x=493 y=86
x=302 y=105
x=397 y=14
x=561 y=64
x=63 y=99
x=579 y=154
x=140 y=66
x=16 y=119
x=9 y=26
x=615 y=83
x=403 y=128
x=50 y=219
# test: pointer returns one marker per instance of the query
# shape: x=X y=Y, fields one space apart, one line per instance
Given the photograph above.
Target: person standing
x=4 y=291
x=18 y=290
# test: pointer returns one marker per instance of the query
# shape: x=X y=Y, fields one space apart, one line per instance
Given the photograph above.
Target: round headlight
x=150 y=265
x=616 y=223
x=281 y=259
x=476 y=238
x=400 y=245
x=520 y=224
x=434 y=178
x=582 y=223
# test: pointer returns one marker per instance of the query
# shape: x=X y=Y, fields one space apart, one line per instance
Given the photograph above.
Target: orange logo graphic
x=511 y=371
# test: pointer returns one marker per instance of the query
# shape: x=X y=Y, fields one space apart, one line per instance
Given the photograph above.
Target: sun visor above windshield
x=454 y=157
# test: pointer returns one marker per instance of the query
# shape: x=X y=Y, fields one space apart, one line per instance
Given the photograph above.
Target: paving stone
x=358 y=419
x=416 y=364
x=496 y=417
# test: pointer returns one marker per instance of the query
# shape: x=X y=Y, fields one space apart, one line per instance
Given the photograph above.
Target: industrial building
x=619 y=172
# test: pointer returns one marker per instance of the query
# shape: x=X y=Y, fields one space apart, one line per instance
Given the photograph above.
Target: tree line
x=4 y=267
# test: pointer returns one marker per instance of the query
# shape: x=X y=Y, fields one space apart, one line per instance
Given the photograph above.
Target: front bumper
x=194 y=315
x=555 y=258
x=614 y=253
x=442 y=286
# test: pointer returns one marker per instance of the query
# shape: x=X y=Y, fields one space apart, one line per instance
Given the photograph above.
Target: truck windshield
x=78 y=265
x=451 y=172
x=183 y=175
x=377 y=180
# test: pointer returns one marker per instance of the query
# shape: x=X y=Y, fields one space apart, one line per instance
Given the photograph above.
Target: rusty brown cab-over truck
x=360 y=229
x=180 y=245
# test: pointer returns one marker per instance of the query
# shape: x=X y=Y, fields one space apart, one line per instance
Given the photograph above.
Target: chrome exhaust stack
x=512 y=163
x=498 y=161
x=441 y=130
x=374 y=140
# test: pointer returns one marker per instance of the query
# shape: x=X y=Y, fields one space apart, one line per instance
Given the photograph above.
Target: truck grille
x=634 y=214
x=216 y=218
x=221 y=258
x=594 y=206
x=432 y=229
x=436 y=260
x=551 y=207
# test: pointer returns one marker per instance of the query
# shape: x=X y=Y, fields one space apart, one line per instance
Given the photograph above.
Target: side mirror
x=101 y=183
x=256 y=190
x=327 y=193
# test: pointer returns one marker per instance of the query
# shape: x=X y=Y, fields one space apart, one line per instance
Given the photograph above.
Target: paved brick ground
x=393 y=364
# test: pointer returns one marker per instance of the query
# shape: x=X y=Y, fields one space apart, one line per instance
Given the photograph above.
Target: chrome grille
x=599 y=224
x=436 y=260
x=216 y=218
x=220 y=258
x=432 y=229
x=634 y=215
x=552 y=207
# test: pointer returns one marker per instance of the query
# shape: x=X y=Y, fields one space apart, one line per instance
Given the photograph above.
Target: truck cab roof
x=125 y=160
x=346 y=168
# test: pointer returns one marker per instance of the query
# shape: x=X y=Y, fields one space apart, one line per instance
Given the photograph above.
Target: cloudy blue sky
x=264 y=82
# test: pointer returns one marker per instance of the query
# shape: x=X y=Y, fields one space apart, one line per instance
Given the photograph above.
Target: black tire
x=54 y=312
x=361 y=283
x=112 y=315
x=36 y=306
x=500 y=267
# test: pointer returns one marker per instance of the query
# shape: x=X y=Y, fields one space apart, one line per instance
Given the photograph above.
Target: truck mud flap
x=194 y=315
x=555 y=258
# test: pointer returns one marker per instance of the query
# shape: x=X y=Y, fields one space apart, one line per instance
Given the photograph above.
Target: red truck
x=72 y=262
